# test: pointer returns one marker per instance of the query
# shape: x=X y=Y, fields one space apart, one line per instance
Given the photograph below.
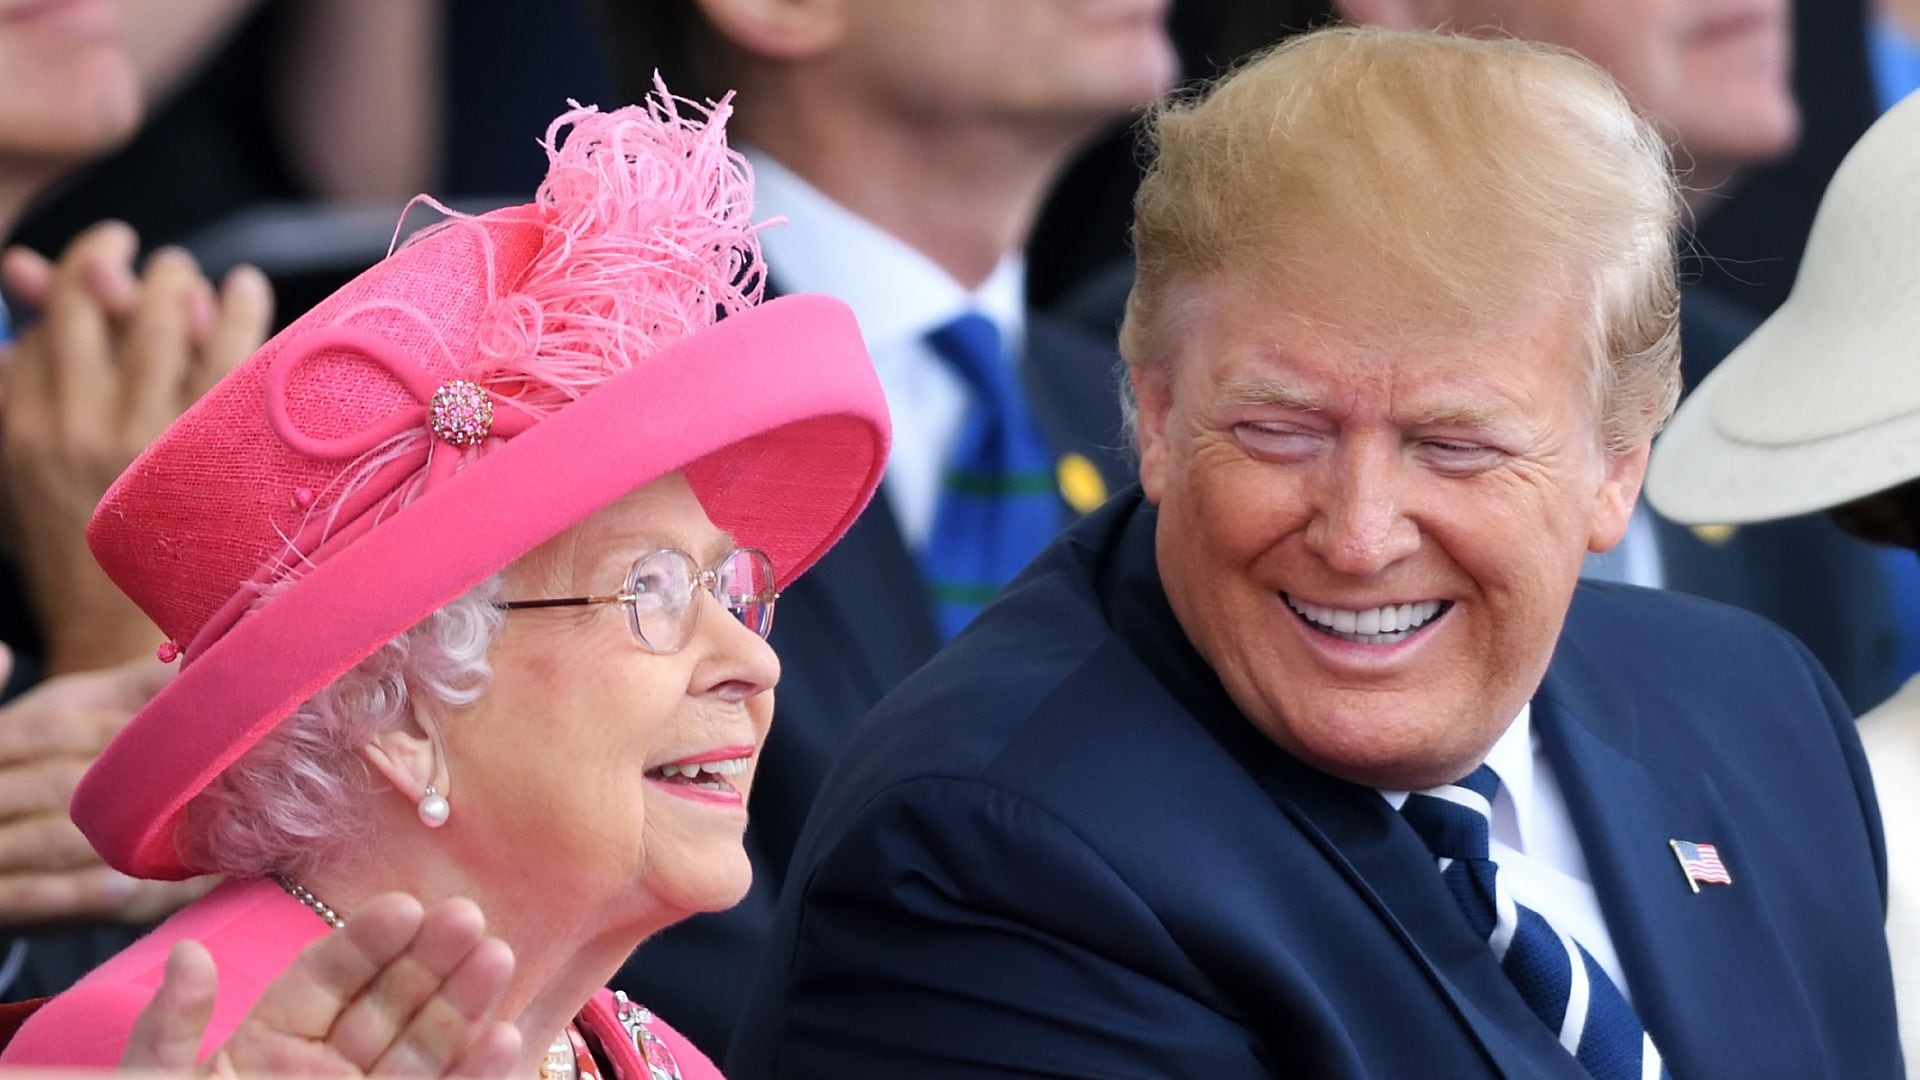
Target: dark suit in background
x=847 y=633
x=1060 y=850
x=1750 y=236
x=1804 y=573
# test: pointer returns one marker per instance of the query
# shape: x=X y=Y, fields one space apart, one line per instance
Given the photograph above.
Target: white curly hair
x=294 y=800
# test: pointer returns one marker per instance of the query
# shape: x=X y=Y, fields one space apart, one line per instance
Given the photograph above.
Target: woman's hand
x=397 y=991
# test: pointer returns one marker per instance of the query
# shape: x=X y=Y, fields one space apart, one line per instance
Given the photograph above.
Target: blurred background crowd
x=285 y=135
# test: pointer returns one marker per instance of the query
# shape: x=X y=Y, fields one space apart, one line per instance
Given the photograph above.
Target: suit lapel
x=1685 y=953
x=1394 y=872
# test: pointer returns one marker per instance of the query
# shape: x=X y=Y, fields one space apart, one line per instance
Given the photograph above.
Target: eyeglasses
x=659 y=595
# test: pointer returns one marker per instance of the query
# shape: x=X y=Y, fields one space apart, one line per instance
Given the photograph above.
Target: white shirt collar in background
x=898 y=295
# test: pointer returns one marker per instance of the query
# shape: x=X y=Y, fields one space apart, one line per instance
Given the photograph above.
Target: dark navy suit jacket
x=1060 y=850
x=847 y=633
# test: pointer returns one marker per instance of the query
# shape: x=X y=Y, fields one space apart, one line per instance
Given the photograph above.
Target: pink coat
x=254 y=931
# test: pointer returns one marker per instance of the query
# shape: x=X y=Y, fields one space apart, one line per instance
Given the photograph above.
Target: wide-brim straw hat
x=476 y=393
x=1821 y=404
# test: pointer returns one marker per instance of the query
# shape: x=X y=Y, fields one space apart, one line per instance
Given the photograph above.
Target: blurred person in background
x=288 y=129
x=1819 y=410
x=114 y=356
x=1082 y=228
x=257 y=101
x=1713 y=76
x=909 y=144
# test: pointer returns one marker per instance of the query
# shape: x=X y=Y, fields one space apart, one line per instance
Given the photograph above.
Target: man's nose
x=1360 y=526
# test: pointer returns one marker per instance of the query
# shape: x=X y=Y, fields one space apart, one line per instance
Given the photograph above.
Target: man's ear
x=1393 y=14
x=1619 y=491
x=410 y=758
x=778 y=29
x=1153 y=401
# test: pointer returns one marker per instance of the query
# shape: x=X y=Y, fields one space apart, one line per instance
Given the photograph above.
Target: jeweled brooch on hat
x=460 y=413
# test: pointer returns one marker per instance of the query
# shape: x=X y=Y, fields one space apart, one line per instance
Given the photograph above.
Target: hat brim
x=1700 y=475
x=786 y=471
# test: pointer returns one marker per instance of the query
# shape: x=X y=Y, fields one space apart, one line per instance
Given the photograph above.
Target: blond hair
x=1460 y=177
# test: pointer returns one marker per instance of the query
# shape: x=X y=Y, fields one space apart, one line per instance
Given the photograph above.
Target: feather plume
x=649 y=240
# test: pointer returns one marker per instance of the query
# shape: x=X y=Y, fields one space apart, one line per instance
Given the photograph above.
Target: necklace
x=563 y=1053
x=311 y=902
x=562 y=1061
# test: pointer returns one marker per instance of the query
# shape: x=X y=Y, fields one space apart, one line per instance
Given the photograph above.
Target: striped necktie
x=997 y=505
x=1556 y=976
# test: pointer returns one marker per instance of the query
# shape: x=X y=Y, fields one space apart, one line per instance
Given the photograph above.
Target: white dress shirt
x=898 y=296
x=1535 y=847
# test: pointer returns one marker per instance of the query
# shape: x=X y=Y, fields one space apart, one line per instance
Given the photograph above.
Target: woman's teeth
x=1383 y=625
x=707 y=774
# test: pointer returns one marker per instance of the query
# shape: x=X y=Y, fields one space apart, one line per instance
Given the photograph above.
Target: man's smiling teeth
x=1382 y=625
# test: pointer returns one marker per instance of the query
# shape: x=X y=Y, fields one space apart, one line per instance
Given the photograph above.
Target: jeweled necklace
x=563 y=1058
x=311 y=902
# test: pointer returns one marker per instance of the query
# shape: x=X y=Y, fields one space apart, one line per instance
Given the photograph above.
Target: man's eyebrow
x=1462 y=415
x=1260 y=391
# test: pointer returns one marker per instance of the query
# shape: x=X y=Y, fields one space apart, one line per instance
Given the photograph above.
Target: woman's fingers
x=374 y=1021
x=491 y=1054
x=437 y=1038
x=308 y=998
x=167 y=1033
x=397 y=991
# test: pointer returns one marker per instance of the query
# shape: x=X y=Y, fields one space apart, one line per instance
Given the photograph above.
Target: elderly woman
x=470 y=571
x=1820 y=410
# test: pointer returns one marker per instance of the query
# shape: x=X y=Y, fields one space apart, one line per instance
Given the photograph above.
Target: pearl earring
x=434 y=809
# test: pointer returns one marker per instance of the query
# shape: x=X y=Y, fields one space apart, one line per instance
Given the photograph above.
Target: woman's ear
x=409 y=757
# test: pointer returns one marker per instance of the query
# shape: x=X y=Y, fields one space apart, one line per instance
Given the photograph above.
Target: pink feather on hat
x=651 y=240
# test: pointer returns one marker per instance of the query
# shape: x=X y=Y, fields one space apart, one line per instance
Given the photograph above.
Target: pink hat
x=476 y=393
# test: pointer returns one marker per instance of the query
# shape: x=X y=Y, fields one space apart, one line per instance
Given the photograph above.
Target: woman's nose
x=738 y=663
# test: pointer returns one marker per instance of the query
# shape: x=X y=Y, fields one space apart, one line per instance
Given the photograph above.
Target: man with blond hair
x=1312 y=755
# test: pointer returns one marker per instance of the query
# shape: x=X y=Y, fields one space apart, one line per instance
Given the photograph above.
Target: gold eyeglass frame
x=704 y=579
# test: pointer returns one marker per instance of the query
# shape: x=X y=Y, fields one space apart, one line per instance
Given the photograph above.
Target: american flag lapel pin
x=1701 y=863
